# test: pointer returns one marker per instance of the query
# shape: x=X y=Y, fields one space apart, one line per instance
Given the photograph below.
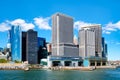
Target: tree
x=3 y=61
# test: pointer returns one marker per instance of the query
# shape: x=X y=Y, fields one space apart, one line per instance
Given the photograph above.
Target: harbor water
x=99 y=74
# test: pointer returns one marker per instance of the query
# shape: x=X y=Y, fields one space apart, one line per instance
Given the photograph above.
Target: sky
x=36 y=14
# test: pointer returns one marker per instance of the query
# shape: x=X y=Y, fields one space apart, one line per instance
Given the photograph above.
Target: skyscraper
x=63 y=49
x=87 y=42
x=41 y=42
x=62 y=26
x=104 y=48
x=24 y=46
x=90 y=46
x=42 y=50
x=31 y=47
x=98 y=41
x=62 y=36
x=15 y=40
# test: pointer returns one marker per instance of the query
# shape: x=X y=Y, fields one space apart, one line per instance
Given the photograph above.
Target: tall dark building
x=104 y=48
x=41 y=42
x=33 y=47
x=24 y=46
x=42 y=51
x=30 y=47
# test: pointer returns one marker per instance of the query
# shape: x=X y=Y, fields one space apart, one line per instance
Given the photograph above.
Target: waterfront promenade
x=23 y=66
x=13 y=66
x=82 y=68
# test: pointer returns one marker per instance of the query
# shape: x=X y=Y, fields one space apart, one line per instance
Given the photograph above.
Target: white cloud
x=4 y=27
x=111 y=27
x=23 y=24
x=107 y=32
x=42 y=23
x=79 y=24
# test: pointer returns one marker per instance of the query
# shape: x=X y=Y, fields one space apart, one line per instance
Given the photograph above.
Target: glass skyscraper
x=15 y=40
x=41 y=42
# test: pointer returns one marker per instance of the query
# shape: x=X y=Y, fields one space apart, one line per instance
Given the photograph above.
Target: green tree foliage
x=3 y=61
x=17 y=61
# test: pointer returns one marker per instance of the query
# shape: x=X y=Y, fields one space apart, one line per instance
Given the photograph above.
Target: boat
x=26 y=69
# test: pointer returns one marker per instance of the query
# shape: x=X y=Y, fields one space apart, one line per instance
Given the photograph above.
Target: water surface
x=101 y=74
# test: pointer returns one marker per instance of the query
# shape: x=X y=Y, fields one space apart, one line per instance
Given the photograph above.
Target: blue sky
x=37 y=14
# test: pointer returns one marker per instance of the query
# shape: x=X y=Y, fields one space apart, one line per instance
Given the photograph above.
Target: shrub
x=3 y=61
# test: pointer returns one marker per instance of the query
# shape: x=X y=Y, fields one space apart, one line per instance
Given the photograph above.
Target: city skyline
x=37 y=15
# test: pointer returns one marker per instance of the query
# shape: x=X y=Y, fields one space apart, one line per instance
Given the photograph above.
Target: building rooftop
x=91 y=25
x=58 y=13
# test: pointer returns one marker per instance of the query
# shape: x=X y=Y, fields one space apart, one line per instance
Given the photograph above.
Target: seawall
x=13 y=66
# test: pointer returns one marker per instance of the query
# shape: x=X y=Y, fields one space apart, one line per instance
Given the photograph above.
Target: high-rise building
x=106 y=52
x=90 y=46
x=41 y=42
x=42 y=50
x=62 y=33
x=63 y=49
x=31 y=47
x=49 y=48
x=62 y=26
x=24 y=46
x=98 y=41
x=62 y=36
x=15 y=40
x=103 y=47
x=87 y=42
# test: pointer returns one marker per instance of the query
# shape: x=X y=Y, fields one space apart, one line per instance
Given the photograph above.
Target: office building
x=49 y=48
x=103 y=47
x=98 y=41
x=64 y=52
x=87 y=42
x=62 y=36
x=90 y=46
x=106 y=52
x=42 y=50
x=15 y=41
x=62 y=32
x=24 y=46
x=31 y=47
x=41 y=42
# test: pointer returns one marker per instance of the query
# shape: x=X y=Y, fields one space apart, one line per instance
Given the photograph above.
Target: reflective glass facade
x=41 y=42
x=15 y=40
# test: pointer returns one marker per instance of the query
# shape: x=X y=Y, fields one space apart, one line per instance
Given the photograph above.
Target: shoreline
x=90 y=68
x=26 y=67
